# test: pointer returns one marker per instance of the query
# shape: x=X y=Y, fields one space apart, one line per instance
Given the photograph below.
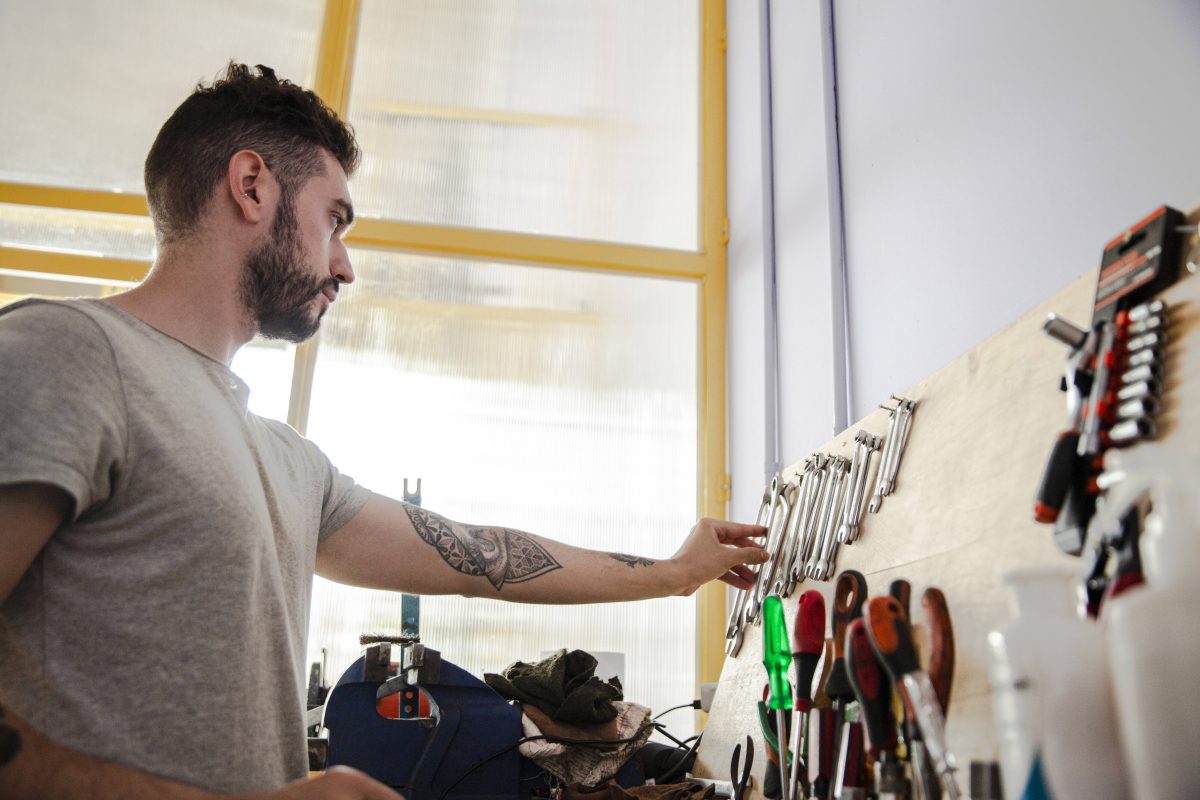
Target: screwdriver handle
x=872 y=688
x=890 y=635
x=777 y=655
x=848 y=595
x=941 y=650
x=808 y=642
x=902 y=591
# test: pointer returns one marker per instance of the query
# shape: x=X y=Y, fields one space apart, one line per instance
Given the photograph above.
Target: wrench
x=889 y=444
x=792 y=537
x=747 y=600
x=819 y=564
x=775 y=529
x=906 y=409
x=856 y=504
x=807 y=509
x=739 y=600
x=843 y=530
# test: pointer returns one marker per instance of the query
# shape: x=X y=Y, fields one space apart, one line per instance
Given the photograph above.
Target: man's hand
x=720 y=550
x=339 y=783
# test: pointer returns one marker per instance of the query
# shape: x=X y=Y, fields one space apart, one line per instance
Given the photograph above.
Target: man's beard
x=277 y=291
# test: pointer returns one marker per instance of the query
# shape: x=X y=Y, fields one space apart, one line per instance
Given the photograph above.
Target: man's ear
x=251 y=186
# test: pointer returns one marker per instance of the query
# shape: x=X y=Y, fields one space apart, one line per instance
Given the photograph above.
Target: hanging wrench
x=828 y=556
x=818 y=564
x=739 y=600
x=843 y=528
x=775 y=537
x=855 y=505
x=889 y=444
x=805 y=510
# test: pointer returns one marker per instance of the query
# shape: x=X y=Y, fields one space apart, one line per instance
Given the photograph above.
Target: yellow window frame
x=707 y=266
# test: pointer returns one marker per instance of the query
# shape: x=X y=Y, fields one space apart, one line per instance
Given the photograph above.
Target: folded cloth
x=592 y=731
x=564 y=685
x=584 y=764
x=669 y=791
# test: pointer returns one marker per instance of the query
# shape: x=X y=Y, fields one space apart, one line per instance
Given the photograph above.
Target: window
x=537 y=330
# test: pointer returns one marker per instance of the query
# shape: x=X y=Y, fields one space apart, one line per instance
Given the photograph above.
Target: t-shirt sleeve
x=343 y=499
x=62 y=406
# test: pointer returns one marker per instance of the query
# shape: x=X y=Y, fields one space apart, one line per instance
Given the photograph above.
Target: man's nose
x=339 y=265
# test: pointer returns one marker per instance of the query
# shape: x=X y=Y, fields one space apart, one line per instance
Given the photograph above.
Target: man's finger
x=738 y=530
x=736 y=581
x=745 y=543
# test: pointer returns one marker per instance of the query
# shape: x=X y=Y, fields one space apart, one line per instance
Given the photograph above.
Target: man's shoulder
x=59 y=314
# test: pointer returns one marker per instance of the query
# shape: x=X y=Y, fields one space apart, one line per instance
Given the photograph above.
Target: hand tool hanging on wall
x=899 y=425
x=1114 y=371
x=777 y=658
x=740 y=778
x=808 y=642
x=891 y=637
x=860 y=467
x=849 y=593
x=733 y=629
x=874 y=692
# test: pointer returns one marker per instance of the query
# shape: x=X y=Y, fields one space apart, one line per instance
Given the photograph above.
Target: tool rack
x=961 y=515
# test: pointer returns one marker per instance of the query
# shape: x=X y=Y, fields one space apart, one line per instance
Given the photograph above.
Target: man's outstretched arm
x=393 y=545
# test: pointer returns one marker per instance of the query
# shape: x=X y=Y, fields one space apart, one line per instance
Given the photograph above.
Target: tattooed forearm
x=498 y=554
x=10 y=741
x=631 y=561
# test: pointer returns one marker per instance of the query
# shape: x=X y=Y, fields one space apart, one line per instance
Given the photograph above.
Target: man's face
x=289 y=281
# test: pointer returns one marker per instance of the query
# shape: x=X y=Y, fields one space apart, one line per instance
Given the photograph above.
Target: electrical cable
x=693 y=704
x=670 y=773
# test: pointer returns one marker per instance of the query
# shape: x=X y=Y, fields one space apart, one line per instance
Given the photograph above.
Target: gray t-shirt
x=163 y=626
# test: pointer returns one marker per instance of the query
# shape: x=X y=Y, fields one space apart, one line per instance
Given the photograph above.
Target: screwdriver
x=808 y=639
x=891 y=637
x=874 y=692
x=848 y=595
x=941 y=645
x=777 y=658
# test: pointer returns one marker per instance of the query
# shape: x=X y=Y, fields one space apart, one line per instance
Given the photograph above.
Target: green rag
x=564 y=686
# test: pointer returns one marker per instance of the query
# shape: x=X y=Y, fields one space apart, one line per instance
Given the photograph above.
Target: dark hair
x=286 y=124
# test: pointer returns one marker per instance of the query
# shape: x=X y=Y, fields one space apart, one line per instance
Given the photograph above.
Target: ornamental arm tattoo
x=631 y=561
x=499 y=554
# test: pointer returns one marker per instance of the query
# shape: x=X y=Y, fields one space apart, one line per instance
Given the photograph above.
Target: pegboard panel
x=961 y=514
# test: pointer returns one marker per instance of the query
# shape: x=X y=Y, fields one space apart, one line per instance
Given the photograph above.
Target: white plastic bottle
x=1051 y=694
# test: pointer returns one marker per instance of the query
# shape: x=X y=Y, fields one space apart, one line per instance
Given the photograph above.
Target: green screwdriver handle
x=777 y=653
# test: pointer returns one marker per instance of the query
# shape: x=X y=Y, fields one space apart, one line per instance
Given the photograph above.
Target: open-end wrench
x=872 y=444
x=780 y=508
x=821 y=517
x=812 y=523
x=906 y=409
x=793 y=534
x=827 y=555
x=889 y=444
x=803 y=513
x=843 y=527
x=739 y=600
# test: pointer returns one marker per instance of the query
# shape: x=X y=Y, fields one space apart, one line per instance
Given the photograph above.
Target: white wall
x=989 y=149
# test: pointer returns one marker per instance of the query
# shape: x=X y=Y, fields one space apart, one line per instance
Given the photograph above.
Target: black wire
x=663 y=730
x=670 y=773
x=553 y=740
x=675 y=708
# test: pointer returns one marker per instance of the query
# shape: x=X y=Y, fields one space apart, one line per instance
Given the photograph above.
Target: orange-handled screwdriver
x=891 y=637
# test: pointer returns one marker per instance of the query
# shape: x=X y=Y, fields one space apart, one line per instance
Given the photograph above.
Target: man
x=159 y=540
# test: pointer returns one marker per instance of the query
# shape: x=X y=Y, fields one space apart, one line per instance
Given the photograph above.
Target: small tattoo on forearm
x=10 y=742
x=498 y=554
x=631 y=561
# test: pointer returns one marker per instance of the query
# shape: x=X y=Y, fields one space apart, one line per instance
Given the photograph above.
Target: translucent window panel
x=559 y=402
x=77 y=232
x=575 y=119
x=86 y=86
x=266 y=367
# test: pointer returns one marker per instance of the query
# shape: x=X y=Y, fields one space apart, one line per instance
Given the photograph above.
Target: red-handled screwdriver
x=873 y=689
x=941 y=645
x=892 y=639
x=808 y=643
